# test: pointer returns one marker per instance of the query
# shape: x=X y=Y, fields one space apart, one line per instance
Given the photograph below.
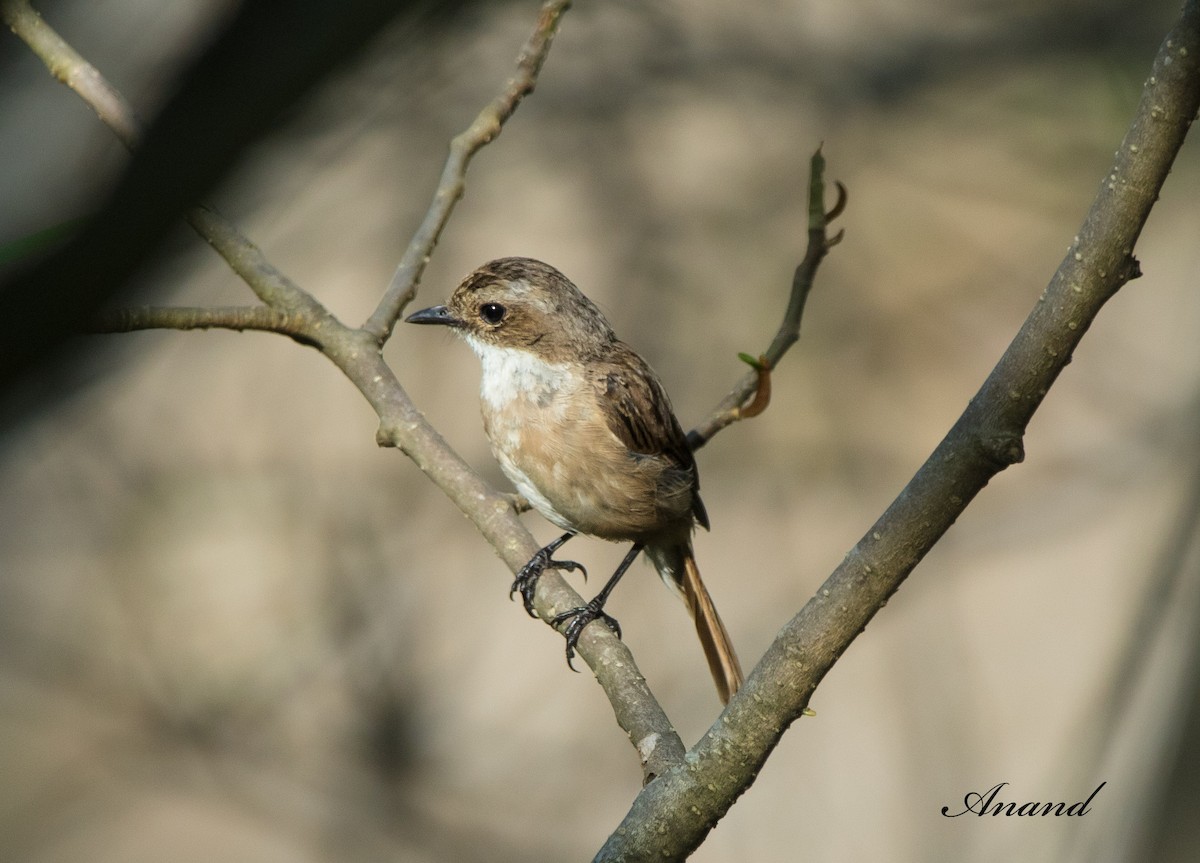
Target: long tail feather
x=677 y=566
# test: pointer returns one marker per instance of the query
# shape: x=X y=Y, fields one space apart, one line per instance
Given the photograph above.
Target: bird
x=583 y=428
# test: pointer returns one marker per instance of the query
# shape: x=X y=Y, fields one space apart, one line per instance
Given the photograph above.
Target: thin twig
x=202 y=318
x=671 y=817
x=483 y=130
x=68 y=66
x=269 y=284
x=294 y=312
x=731 y=408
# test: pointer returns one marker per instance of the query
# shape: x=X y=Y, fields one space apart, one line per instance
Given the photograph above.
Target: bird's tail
x=676 y=564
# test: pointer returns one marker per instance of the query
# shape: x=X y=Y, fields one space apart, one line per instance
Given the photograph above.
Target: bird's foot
x=578 y=618
x=526 y=581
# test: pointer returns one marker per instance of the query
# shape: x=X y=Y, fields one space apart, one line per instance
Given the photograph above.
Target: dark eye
x=493 y=313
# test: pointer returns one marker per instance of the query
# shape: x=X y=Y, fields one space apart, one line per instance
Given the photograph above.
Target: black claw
x=526 y=581
x=580 y=618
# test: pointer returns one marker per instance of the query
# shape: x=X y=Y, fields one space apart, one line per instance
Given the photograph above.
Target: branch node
x=1004 y=449
x=762 y=391
x=385 y=436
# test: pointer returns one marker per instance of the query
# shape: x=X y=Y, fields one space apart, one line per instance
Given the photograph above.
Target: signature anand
x=988 y=803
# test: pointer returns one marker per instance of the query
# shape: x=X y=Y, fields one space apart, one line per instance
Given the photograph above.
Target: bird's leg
x=577 y=618
x=526 y=580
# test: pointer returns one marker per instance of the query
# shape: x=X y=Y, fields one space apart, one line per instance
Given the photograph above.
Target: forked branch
x=292 y=311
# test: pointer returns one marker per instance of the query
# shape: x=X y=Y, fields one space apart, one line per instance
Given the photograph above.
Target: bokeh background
x=232 y=628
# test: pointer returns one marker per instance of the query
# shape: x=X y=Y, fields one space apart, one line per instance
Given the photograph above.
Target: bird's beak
x=434 y=315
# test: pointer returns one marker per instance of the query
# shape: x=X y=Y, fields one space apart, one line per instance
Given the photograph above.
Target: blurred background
x=232 y=628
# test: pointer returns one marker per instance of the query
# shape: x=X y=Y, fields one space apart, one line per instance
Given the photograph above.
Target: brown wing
x=639 y=414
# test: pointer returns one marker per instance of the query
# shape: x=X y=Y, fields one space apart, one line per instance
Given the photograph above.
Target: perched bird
x=583 y=428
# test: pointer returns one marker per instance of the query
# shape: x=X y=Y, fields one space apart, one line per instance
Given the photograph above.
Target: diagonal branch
x=403 y=426
x=68 y=66
x=482 y=131
x=267 y=282
x=294 y=312
x=672 y=815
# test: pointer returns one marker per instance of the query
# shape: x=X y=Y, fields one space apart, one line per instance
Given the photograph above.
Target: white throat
x=509 y=373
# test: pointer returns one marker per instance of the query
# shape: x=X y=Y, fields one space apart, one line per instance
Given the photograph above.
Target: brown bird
x=583 y=428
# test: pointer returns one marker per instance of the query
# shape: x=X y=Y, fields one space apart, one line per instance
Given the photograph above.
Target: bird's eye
x=492 y=313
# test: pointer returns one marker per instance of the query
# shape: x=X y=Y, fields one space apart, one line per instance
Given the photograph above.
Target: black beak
x=434 y=315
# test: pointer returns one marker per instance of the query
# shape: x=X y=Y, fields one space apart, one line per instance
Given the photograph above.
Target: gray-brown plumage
x=585 y=431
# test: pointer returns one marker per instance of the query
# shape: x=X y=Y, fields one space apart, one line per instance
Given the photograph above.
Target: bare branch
x=245 y=258
x=292 y=311
x=672 y=816
x=403 y=426
x=731 y=409
x=68 y=66
x=483 y=130
x=237 y=318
